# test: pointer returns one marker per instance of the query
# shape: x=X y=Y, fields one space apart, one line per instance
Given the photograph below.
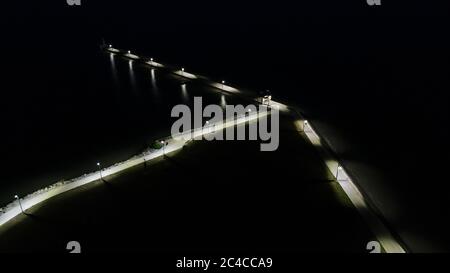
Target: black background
x=373 y=79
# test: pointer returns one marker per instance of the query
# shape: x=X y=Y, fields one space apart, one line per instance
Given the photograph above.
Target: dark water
x=375 y=83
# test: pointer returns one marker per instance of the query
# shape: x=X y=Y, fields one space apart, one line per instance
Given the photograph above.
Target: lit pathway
x=381 y=232
x=170 y=145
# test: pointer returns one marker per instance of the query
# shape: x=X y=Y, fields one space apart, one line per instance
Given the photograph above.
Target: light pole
x=151 y=61
x=249 y=113
x=269 y=97
x=182 y=71
x=20 y=203
x=129 y=51
x=207 y=125
x=223 y=85
x=164 y=146
x=305 y=123
x=100 y=170
x=339 y=168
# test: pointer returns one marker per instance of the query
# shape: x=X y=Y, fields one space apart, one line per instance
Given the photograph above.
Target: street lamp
x=145 y=161
x=223 y=84
x=339 y=168
x=164 y=146
x=207 y=125
x=110 y=46
x=100 y=170
x=182 y=71
x=20 y=203
x=151 y=61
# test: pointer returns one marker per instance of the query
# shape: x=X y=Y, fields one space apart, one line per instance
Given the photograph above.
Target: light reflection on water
x=114 y=75
x=223 y=102
x=184 y=93
x=155 y=88
x=132 y=77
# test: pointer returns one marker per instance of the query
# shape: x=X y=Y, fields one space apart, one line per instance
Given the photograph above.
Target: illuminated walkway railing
x=379 y=229
x=170 y=144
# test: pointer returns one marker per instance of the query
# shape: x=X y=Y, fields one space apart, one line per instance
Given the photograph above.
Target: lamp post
x=339 y=168
x=305 y=123
x=151 y=61
x=20 y=203
x=100 y=170
x=164 y=146
x=249 y=113
x=207 y=125
x=129 y=51
x=223 y=85
x=182 y=71
x=269 y=97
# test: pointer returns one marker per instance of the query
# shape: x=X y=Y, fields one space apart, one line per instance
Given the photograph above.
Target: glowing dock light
x=223 y=84
x=100 y=170
x=20 y=203
x=305 y=125
x=110 y=46
x=129 y=51
x=207 y=126
x=339 y=168
x=164 y=146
